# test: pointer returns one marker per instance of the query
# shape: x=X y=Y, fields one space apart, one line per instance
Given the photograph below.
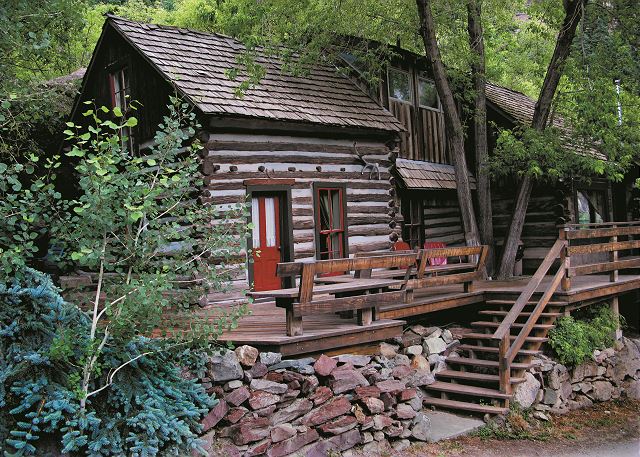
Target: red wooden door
x=265 y=215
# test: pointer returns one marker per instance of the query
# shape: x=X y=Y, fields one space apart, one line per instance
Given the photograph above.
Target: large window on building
x=330 y=214
x=413 y=225
x=400 y=87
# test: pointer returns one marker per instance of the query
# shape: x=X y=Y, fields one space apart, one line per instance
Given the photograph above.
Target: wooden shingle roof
x=417 y=174
x=197 y=63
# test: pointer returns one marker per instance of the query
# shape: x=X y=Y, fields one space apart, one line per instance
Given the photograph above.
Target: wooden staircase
x=496 y=354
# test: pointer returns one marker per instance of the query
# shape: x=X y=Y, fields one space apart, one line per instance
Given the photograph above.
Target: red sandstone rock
x=258 y=370
x=381 y=421
x=367 y=391
x=261 y=399
x=401 y=371
x=238 y=396
x=215 y=415
x=258 y=448
x=292 y=444
x=248 y=430
x=388 y=399
x=339 y=425
x=391 y=386
x=282 y=432
x=374 y=405
x=321 y=395
x=336 y=443
x=407 y=394
x=291 y=412
x=334 y=408
x=235 y=414
x=274 y=376
x=324 y=365
x=346 y=380
x=404 y=411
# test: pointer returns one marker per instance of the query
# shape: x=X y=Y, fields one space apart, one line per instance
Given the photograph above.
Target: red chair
x=436 y=261
x=400 y=246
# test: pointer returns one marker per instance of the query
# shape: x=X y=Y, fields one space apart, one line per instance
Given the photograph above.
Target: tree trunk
x=573 y=13
x=476 y=43
x=453 y=126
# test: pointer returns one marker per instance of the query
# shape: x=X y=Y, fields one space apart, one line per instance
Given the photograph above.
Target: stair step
x=469 y=376
x=466 y=390
x=486 y=363
x=465 y=406
x=504 y=313
x=494 y=350
x=489 y=336
x=515 y=324
x=532 y=302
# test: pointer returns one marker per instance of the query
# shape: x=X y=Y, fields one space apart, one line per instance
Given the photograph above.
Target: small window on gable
x=400 y=87
x=120 y=98
x=428 y=94
x=119 y=85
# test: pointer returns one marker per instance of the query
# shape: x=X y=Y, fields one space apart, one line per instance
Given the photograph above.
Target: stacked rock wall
x=311 y=407
x=610 y=374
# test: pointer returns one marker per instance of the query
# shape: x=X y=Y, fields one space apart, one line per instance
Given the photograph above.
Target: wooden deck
x=265 y=328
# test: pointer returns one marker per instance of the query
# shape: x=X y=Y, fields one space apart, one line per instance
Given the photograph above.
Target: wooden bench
x=455 y=273
x=360 y=293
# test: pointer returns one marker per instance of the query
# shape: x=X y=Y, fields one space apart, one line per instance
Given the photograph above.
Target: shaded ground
x=606 y=429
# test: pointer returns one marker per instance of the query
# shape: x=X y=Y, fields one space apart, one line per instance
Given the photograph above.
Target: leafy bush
x=574 y=340
x=148 y=409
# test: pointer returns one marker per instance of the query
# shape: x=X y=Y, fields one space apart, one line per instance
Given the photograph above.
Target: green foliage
x=574 y=340
x=149 y=410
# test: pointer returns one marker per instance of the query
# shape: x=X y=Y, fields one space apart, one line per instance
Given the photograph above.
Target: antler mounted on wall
x=373 y=167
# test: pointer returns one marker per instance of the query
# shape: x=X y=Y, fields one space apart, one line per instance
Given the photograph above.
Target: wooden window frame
x=604 y=188
x=342 y=188
x=114 y=71
x=421 y=106
x=408 y=200
x=412 y=101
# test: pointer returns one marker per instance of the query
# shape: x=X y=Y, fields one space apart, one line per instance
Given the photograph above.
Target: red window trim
x=341 y=231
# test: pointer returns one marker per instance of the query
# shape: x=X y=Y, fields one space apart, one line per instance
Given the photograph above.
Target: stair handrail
x=508 y=351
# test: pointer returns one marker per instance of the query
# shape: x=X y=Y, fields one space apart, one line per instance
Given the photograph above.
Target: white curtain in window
x=255 y=219
x=270 y=220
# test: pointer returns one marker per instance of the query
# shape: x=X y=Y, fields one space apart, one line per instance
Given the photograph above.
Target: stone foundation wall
x=610 y=374
x=310 y=407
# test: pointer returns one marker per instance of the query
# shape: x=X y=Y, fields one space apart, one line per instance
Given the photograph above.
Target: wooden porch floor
x=265 y=327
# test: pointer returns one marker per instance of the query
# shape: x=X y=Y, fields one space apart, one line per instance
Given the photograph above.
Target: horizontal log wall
x=442 y=219
x=230 y=159
x=547 y=208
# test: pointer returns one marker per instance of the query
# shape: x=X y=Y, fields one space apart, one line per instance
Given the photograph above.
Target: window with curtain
x=592 y=206
x=413 y=225
x=120 y=98
x=330 y=223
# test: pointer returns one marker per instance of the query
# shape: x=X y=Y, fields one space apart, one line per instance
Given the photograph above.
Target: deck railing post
x=565 y=259
x=613 y=257
x=504 y=368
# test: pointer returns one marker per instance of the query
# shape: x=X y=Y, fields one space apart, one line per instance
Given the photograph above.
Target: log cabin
x=330 y=165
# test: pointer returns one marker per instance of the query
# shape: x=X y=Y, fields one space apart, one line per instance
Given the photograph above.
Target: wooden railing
x=594 y=239
x=507 y=350
x=591 y=237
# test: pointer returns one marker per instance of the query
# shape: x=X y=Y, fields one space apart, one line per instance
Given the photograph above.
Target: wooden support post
x=468 y=287
x=613 y=257
x=365 y=315
x=615 y=308
x=505 y=366
x=565 y=260
x=294 y=323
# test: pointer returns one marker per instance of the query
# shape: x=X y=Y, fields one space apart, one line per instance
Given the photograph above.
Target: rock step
x=470 y=376
x=514 y=325
x=489 y=312
x=486 y=363
x=489 y=336
x=512 y=302
x=494 y=350
x=466 y=390
x=465 y=406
